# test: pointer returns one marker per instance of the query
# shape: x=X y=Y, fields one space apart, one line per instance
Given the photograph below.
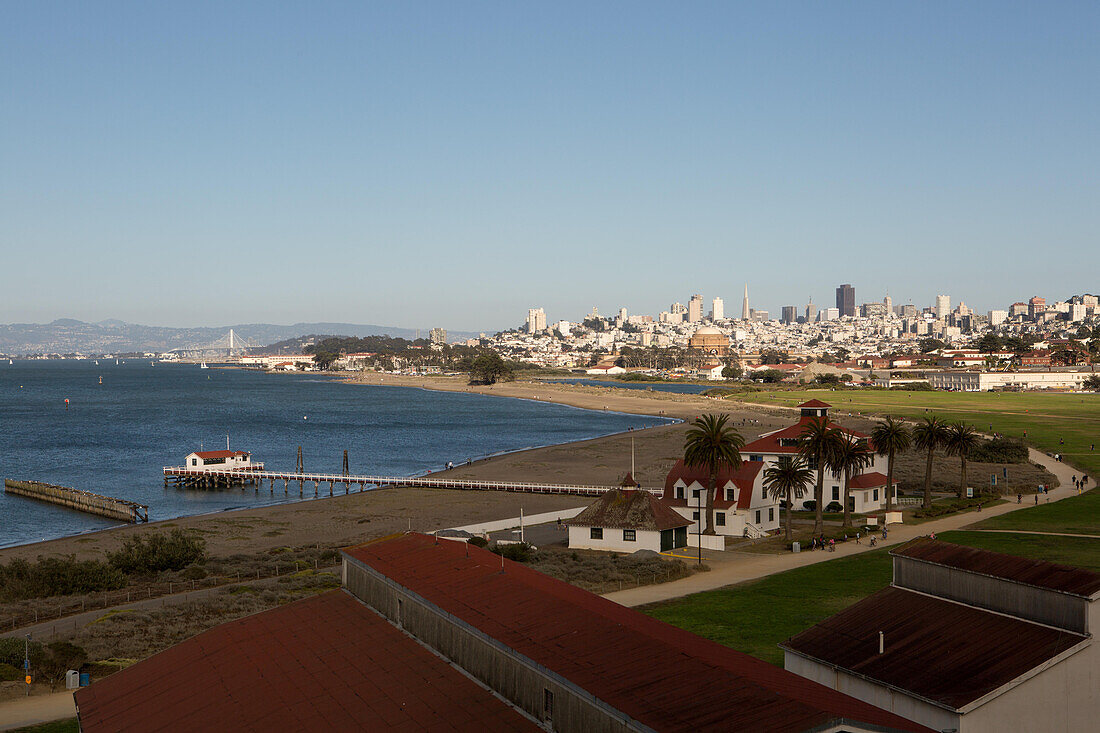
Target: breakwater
x=85 y=501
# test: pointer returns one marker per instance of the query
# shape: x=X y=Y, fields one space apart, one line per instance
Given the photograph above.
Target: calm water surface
x=114 y=438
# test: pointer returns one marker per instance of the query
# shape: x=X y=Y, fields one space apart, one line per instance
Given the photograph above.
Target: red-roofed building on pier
x=868 y=489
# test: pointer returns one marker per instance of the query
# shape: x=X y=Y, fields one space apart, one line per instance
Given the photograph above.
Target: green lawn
x=754 y=617
x=1045 y=417
x=1075 y=515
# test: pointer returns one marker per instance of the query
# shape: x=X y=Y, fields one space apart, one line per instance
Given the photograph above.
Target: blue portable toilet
x=85 y=679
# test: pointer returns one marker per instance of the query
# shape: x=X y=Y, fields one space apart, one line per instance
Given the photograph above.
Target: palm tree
x=816 y=444
x=712 y=445
x=961 y=439
x=929 y=434
x=890 y=437
x=849 y=457
x=787 y=480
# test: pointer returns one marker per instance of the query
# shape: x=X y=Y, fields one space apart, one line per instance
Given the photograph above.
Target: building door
x=681 y=537
x=667 y=539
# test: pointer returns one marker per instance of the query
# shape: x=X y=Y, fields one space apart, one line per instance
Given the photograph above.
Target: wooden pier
x=185 y=477
x=85 y=501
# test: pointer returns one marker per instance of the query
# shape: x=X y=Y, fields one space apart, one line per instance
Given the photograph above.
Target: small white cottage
x=627 y=521
x=218 y=460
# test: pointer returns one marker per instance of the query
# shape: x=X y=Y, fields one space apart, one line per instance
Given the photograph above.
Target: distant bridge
x=230 y=345
x=185 y=477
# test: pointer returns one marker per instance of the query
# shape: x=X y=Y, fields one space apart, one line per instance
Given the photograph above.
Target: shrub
x=151 y=553
x=8 y=673
x=834 y=506
x=999 y=450
x=478 y=541
x=520 y=552
x=11 y=652
x=194 y=572
x=809 y=505
x=54 y=576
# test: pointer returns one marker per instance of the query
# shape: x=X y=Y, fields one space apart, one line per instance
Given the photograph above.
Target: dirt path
x=36 y=709
x=739 y=567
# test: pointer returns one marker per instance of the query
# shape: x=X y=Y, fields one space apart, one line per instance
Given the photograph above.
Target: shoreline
x=672 y=409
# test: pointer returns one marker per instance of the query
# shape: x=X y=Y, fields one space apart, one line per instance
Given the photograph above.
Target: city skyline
x=425 y=162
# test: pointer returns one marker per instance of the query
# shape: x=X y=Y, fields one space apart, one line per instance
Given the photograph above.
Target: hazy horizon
x=449 y=165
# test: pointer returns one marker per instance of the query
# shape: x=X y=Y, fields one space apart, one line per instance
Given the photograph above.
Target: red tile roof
x=640 y=666
x=815 y=403
x=628 y=510
x=324 y=663
x=868 y=480
x=743 y=477
x=1038 y=573
x=942 y=651
x=769 y=443
x=219 y=454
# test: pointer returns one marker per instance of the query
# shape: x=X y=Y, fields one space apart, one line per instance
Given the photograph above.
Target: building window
x=731 y=494
x=763 y=492
x=758 y=516
x=629 y=535
x=596 y=533
x=695 y=493
x=547 y=704
x=756 y=458
x=876 y=495
x=771 y=514
x=720 y=519
x=836 y=493
x=695 y=516
x=679 y=492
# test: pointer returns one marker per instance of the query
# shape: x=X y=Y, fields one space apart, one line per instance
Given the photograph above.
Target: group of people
x=821 y=543
x=1080 y=483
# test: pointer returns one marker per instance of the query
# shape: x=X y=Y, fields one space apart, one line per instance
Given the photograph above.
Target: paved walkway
x=36 y=709
x=742 y=566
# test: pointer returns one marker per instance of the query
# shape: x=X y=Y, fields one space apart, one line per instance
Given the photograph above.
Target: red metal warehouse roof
x=935 y=649
x=1039 y=573
x=661 y=676
x=325 y=663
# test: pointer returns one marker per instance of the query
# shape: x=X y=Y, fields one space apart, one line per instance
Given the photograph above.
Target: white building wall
x=580 y=538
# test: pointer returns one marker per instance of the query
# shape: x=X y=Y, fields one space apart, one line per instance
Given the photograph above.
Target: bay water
x=114 y=438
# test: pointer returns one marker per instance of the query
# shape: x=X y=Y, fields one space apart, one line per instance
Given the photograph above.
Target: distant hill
x=68 y=336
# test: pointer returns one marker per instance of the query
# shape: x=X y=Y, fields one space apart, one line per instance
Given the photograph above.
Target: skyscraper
x=811 y=311
x=536 y=320
x=846 y=300
x=695 y=308
x=789 y=314
x=943 y=306
x=717 y=309
x=745 y=312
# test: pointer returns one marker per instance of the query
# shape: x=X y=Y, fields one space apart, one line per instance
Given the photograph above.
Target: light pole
x=27 y=662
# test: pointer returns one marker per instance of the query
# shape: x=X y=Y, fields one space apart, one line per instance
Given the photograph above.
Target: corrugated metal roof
x=1039 y=573
x=628 y=510
x=664 y=677
x=324 y=663
x=936 y=649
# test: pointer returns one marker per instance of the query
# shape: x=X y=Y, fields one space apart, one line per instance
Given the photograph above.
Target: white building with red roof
x=218 y=460
x=868 y=489
x=741 y=506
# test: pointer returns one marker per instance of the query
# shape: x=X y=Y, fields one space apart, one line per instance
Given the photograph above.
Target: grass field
x=1045 y=418
x=754 y=617
x=1075 y=515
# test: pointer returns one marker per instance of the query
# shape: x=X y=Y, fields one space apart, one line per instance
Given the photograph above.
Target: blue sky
x=422 y=164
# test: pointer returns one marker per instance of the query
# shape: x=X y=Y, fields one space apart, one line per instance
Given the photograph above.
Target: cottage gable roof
x=743 y=477
x=621 y=509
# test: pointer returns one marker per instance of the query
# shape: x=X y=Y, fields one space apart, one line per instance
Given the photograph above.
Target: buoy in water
x=304 y=417
x=66 y=403
x=101 y=380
